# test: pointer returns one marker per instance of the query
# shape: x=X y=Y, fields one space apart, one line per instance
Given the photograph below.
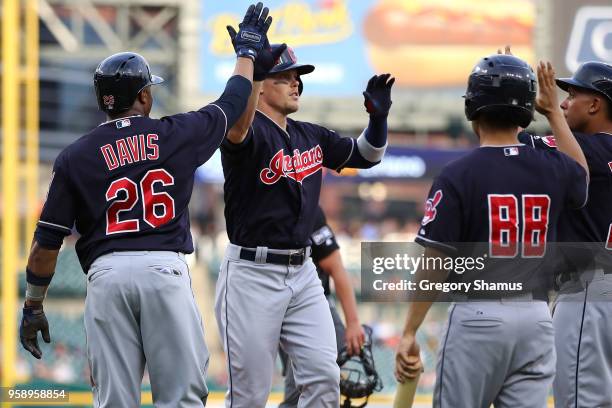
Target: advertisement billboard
x=425 y=44
x=581 y=31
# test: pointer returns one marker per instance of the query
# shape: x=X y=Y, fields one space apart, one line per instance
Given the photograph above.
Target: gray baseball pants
x=260 y=306
x=496 y=352
x=583 y=339
x=292 y=395
x=140 y=309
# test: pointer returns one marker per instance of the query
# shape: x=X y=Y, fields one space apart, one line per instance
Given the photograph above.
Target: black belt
x=539 y=295
x=298 y=257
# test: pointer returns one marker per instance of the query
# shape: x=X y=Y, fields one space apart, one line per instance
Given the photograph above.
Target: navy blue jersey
x=323 y=244
x=593 y=222
x=507 y=198
x=273 y=181
x=126 y=184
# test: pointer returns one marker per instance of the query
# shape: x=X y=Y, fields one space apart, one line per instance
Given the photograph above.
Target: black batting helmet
x=502 y=81
x=118 y=80
x=595 y=76
x=288 y=61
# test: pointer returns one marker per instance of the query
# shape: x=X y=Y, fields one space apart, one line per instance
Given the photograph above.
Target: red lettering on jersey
x=143 y=147
x=430 y=207
x=109 y=157
x=297 y=167
x=549 y=141
x=535 y=224
x=151 y=144
x=132 y=143
x=122 y=150
x=503 y=225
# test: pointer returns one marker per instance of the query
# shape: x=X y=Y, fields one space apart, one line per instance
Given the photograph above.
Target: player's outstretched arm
x=372 y=143
x=264 y=62
x=354 y=335
x=40 y=269
x=377 y=101
x=547 y=103
x=248 y=43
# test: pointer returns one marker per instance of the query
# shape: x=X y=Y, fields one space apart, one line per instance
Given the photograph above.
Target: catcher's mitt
x=358 y=376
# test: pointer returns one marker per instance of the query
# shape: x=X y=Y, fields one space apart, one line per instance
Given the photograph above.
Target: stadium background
x=51 y=47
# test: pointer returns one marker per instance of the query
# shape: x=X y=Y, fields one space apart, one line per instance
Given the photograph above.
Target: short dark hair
x=499 y=117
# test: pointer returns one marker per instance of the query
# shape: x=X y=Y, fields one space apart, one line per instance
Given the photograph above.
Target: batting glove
x=378 y=95
x=251 y=37
x=266 y=58
x=33 y=320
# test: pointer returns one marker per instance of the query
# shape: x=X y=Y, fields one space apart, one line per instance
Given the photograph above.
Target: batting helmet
x=595 y=76
x=358 y=376
x=288 y=61
x=118 y=80
x=502 y=81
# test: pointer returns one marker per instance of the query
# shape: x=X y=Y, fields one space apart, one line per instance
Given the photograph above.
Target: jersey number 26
x=151 y=201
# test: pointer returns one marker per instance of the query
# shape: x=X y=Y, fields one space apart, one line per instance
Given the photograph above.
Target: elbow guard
x=368 y=151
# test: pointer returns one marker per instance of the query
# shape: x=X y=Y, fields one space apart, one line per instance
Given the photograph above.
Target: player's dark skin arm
x=547 y=104
x=42 y=263
x=333 y=266
x=407 y=360
x=144 y=100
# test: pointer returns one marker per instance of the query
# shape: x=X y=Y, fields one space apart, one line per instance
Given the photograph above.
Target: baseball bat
x=404 y=394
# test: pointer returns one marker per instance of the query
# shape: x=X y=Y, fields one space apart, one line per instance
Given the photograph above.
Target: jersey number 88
x=504 y=226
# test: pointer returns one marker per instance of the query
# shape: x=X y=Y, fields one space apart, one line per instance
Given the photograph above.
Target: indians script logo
x=297 y=167
x=430 y=208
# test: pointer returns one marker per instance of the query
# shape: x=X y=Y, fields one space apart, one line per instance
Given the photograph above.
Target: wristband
x=247 y=53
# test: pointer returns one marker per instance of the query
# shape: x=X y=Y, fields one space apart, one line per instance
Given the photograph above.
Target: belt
x=295 y=257
x=581 y=277
x=503 y=297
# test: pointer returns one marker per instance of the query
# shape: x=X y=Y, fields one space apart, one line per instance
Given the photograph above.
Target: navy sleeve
x=597 y=160
x=441 y=225
x=204 y=129
x=323 y=238
x=235 y=150
x=234 y=99
x=538 y=142
x=337 y=150
x=576 y=182
x=59 y=212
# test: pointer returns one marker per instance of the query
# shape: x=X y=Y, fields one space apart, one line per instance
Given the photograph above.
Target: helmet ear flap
x=300 y=86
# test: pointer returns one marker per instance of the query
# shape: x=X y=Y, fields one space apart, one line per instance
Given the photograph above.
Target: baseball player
x=326 y=257
x=124 y=187
x=496 y=349
x=268 y=292
x=583 y=331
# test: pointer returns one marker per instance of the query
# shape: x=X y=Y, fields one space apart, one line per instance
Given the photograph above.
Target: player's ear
x=145 y=97
x=596 y=105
